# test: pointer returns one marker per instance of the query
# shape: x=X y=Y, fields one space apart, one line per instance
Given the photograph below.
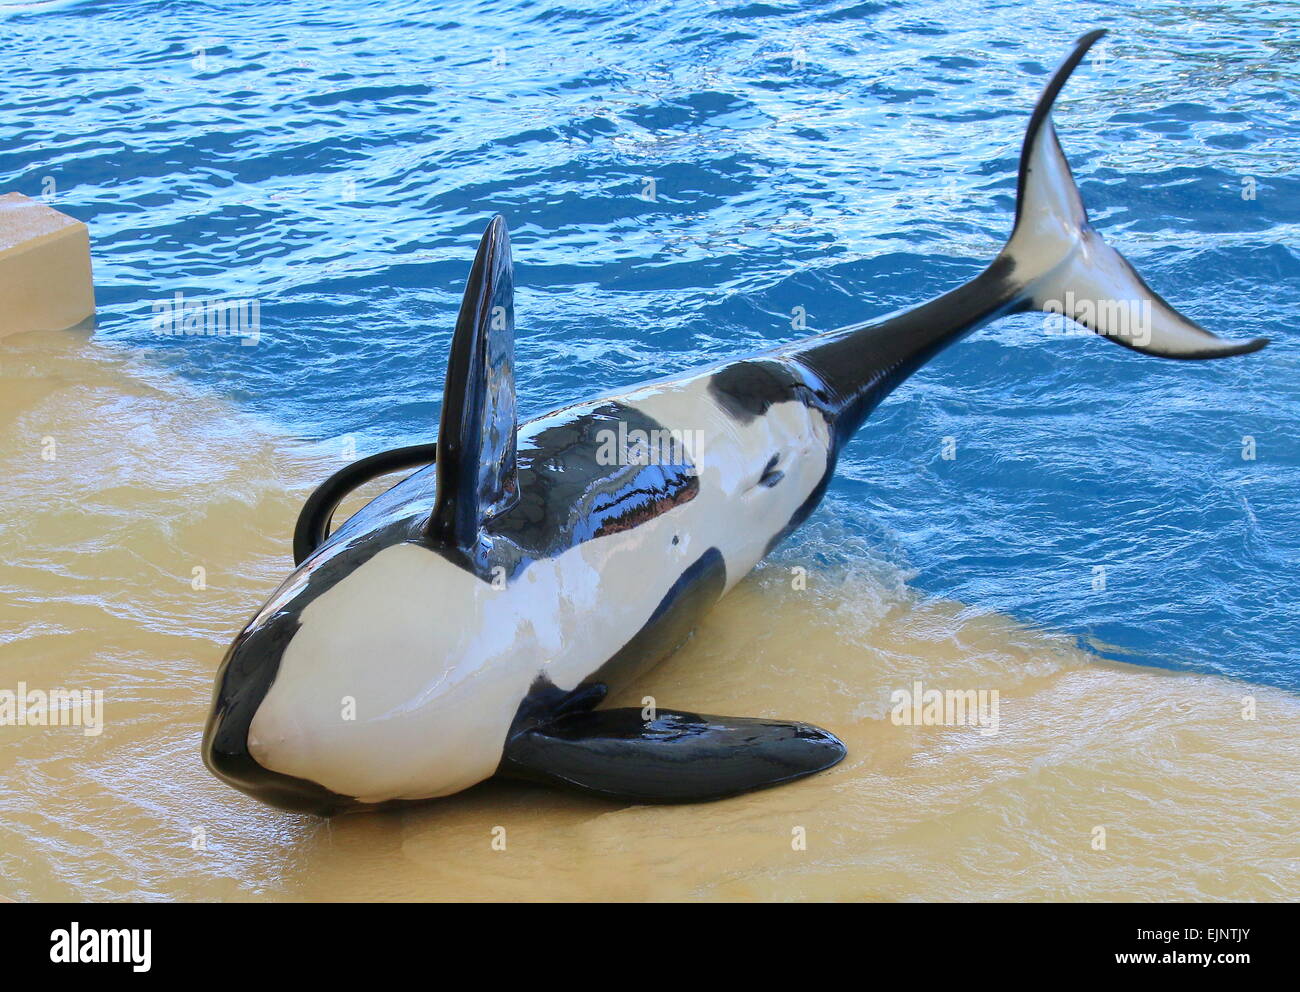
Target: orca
x=469 y=621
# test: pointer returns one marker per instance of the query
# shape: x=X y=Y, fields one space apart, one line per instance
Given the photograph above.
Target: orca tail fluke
x=1066 y=268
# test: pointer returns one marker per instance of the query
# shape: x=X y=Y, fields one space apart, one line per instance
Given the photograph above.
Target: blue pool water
x=338 y=161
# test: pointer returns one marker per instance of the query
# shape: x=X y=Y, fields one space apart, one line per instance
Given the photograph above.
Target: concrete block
x=45 y=281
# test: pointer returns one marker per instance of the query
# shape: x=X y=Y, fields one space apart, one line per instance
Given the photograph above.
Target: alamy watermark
x=660 y=446
x=92 y=945
x=1111 y=318
x=922 y=707
x=233 y=318
x=24 y=707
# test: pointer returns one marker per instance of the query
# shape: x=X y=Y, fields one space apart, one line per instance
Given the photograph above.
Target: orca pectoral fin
x=674 y=758
x=313 y=527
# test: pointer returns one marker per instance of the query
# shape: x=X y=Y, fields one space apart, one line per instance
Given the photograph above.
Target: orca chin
x=227 y=754
x=231 y=762
x=245 y=674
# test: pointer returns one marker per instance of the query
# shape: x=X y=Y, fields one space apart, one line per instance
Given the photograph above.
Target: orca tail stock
x=1054 y=261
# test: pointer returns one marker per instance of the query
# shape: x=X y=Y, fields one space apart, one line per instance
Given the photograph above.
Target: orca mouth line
x=242 y=682
x=227 y=755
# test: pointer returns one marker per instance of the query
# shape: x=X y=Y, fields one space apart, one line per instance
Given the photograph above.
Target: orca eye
x=771 y=476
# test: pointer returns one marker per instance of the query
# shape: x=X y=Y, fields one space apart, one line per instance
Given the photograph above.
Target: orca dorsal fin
x=477 y=476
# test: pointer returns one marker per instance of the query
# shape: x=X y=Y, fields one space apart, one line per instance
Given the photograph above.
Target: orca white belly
x=414 y=659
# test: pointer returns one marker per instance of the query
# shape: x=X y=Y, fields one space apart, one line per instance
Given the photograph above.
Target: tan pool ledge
x=45 y=281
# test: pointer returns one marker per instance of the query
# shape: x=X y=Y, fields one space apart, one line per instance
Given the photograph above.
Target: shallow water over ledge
x=154 y=478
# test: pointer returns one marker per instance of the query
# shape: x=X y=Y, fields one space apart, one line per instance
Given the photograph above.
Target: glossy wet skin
x=399 y=664
x=402 y=622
